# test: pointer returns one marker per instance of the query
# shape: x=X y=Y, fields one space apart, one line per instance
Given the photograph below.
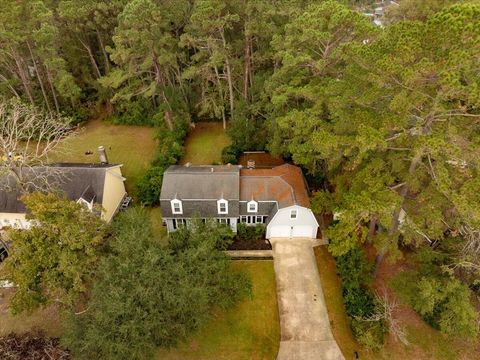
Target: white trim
x=179 y=203
x=198 y=199
x=255 y=206
x=222 y=202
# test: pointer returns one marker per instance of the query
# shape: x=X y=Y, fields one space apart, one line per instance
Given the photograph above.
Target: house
x=276 y=197
x=89 y=184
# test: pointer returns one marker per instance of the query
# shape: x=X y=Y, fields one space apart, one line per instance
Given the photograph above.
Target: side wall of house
x=113 y=194
x=170 y=225
x=14 y=220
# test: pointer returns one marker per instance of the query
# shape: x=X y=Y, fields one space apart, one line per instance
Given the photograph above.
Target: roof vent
x=102 y=155
x=188 y=164
x=251 y=164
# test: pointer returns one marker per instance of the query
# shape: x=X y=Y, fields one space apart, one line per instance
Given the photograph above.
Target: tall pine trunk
x=40 y=81
x=229 y=76
x=22 y=75
x=247 y=69
x=392 y=231
x=52 y=88
x=92 y=58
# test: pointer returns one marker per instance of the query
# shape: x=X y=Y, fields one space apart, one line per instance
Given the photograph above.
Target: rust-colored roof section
x=263 y=160
x=284 y=183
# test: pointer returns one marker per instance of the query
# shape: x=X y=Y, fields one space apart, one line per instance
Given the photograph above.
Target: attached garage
x=280 y=231
x=291 y=222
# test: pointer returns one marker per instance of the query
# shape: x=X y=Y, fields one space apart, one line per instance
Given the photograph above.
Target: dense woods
x=386 y=119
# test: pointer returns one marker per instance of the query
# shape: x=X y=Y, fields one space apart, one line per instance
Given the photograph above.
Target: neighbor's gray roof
x=201 y=182
x=74 y=181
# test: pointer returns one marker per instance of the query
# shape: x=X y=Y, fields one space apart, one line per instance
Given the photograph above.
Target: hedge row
x=170 y=150
x=355 y=272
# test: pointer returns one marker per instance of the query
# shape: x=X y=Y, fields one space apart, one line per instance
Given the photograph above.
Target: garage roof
x=284 y=184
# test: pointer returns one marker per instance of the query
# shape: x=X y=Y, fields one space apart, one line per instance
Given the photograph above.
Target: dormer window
x=222 y=206
x=176 y=206
x=252 y=206
x=293 y=214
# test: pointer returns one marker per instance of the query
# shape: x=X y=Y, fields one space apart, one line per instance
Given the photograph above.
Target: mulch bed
x=258 y=244
x=31 y=346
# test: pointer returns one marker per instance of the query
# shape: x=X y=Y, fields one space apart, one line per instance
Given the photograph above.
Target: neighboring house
x=276 y=197
x=89 y=184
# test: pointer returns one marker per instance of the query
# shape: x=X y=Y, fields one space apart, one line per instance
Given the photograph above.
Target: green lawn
x=251 y=330
x=132 y=146
x=204 y=144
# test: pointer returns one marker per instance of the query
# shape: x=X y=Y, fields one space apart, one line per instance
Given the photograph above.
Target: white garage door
x=302 y=231
x=280 y=231
x=293 y=231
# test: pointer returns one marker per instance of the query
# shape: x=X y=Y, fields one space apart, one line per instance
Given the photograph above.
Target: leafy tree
x=149 y=295
x=311 y=54
x=147 y=54
x=55 y=259
x=397 y=134
x=416 y=9
x=442 y=301
x=212 y=62
x=31 y=62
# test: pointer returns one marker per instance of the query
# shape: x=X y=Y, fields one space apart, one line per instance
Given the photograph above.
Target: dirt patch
x=31 y=346
x=258 y=244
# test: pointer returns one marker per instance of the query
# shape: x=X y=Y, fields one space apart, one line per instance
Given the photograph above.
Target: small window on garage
x=293 y=214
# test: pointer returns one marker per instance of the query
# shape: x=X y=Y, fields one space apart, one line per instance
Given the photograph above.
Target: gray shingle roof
x=201 y=182
x=75 y=180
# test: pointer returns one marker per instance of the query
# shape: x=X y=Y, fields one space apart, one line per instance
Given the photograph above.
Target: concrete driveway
x=304 y=323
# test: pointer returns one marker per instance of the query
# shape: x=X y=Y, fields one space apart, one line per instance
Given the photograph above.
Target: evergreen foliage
x=355 y=272
x=56 y=258
x=148 y=295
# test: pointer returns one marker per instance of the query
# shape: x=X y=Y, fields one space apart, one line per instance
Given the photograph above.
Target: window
x=178 y=223
x=222 y=206
x=224 y=221
x=177 y=207
x=293 y=214
x=243 y=219
x=252 y=206
x=259 y=219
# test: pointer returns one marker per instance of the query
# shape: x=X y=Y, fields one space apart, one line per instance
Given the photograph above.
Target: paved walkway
x=304 y=323
x=250 y=253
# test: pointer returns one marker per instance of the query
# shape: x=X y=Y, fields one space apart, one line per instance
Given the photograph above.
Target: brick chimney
x=102 y=155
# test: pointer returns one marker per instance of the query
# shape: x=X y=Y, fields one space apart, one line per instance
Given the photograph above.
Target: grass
x=425 y=343
x=46 y=319
x=331 y=285
x=205 y=143
x=132 y=146
x=250 y=330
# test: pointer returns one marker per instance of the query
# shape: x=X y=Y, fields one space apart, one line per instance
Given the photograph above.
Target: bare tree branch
x=28 y=137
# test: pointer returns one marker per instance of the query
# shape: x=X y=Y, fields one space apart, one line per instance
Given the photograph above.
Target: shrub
x=230 y=154
x=441 y=300
x=169 y=151
x=355 y=272
x=250 y=233
x=370 y=334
